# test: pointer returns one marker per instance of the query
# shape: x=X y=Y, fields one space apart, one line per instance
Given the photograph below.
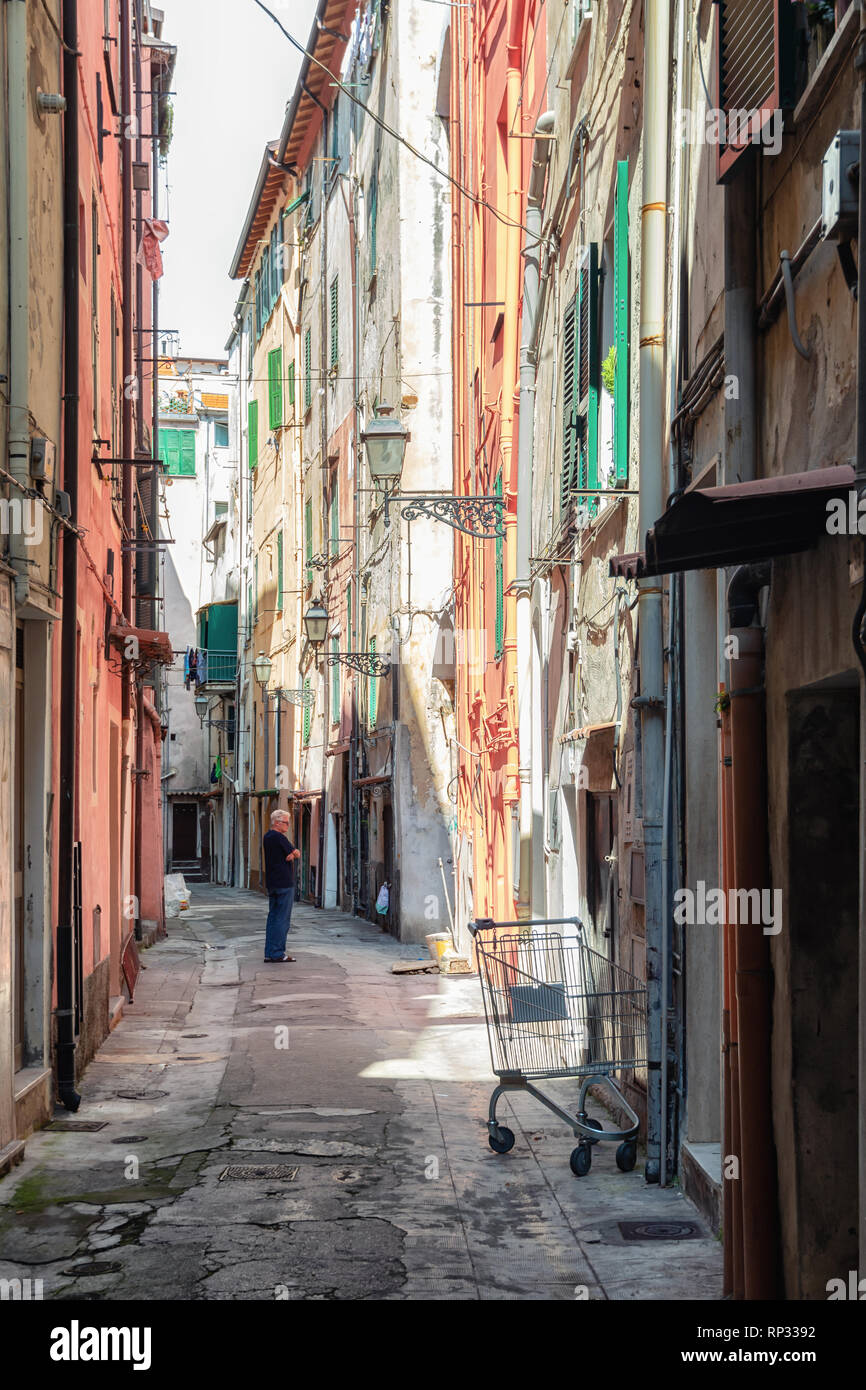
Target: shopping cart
x=556 y=1008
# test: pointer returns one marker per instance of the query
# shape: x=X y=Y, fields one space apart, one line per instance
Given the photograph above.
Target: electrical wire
x=389 y=130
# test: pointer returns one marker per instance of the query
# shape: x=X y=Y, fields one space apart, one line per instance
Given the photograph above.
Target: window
x=308 y=370
x=290 y=385
x=335 y=321
x=220 y=509
x=220 y=434
x=308 y=537
x=373 y=696
x=500 y=584
x=256 y=591
x=253 y=433
x=308 y=714
x=280 y=571
x=757 y=71
x=349 y=633
x=373 y=213
x=335 y=682
x=579 y=472
x=275 y=388
x=177 y=451
x=249 y=612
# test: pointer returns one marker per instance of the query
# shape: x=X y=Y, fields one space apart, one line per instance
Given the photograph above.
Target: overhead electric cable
x=389 y=130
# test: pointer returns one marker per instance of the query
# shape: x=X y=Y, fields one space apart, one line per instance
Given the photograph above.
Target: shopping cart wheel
x=593 y=1124
x=502 y=1140
x=626 y=1156
x=581 y=1159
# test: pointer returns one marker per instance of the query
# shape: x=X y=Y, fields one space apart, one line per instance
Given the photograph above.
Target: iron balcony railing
x=222 y=667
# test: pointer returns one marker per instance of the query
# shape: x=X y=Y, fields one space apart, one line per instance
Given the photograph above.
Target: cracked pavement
x=359 y=1100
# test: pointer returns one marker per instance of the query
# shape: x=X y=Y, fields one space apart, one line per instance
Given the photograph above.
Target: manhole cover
x=259 y=1170
x=141 y=1095
x=131 y=1139
x=660 y=1230
x=77 y=1126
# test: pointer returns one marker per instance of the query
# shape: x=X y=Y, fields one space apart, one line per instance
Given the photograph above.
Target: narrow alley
x=317 y=1130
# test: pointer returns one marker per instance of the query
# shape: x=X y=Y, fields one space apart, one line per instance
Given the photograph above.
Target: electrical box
x=41 y=457
x=839 y=201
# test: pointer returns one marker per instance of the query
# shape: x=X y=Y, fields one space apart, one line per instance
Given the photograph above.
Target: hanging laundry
x=149 y=255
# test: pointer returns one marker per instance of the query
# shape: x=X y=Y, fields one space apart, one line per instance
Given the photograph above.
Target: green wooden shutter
x=187 y=453
x=308 y=370
x=308 y=714
x=169 y=449
x=253 y=433
x=335 y=320
x=500 y=584
x=308 y=537
x=335 y=683
x=620 y=310
x=280 y=570
x=588 y=375
x=569 y=392
x=275 y=388
x=290 y=383
x=374 y=689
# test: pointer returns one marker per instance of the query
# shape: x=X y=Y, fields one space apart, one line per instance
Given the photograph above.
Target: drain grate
x=246 y=1171
x=76 y=1126
x=141 y=1095
x=660 y=1230
x=131 y=1139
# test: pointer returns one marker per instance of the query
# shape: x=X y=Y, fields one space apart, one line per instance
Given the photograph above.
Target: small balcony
x=220 y=671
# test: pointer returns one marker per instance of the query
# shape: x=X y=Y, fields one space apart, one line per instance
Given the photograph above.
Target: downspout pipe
x=18 y=438
x=525 y=459
x=514 y=199
x=68 y=730
x=651 y=701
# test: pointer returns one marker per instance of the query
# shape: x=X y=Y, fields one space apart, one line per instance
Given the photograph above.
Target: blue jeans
x=279 y=917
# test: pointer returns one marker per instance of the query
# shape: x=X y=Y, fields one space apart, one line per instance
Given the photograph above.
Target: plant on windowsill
x=821 y=18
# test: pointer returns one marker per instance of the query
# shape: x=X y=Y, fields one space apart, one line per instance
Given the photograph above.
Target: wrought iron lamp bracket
x=474 y=516
x=366 y=663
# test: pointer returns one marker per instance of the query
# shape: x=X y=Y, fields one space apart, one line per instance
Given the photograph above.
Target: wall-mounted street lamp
x=316 y=623
x=262 y=667
x=385 y=442
x=202 y=704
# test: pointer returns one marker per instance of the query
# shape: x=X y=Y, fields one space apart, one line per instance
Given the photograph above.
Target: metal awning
x=709 y=528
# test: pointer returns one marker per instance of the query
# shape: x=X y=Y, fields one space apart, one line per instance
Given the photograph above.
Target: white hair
x=279 y=815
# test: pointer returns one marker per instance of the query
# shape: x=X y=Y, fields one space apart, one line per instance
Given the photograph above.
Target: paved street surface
x=366 y=1094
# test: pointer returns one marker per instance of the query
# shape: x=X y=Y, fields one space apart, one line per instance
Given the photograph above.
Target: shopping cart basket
x=556 y=1008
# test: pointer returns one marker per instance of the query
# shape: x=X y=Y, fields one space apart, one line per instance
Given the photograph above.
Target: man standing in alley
x=280 y=856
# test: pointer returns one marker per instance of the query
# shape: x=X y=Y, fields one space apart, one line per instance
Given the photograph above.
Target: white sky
x=235 y=73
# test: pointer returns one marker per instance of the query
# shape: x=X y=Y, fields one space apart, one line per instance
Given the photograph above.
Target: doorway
x=184 y=831
x=332 y=861
x=821 y=907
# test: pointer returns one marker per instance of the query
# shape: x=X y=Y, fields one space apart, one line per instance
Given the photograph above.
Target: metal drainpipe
x=525 y=456
x=857 y=630
x=650 y=592
x=514 y=182
x=68 y=723
x=17 y=76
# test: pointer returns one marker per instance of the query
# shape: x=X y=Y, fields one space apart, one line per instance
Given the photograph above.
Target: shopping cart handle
x=481 y=924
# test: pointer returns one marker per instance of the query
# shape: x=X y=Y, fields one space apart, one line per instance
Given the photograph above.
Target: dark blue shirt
x=279 y=874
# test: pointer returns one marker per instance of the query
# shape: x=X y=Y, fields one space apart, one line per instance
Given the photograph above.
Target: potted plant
x=821 y=18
